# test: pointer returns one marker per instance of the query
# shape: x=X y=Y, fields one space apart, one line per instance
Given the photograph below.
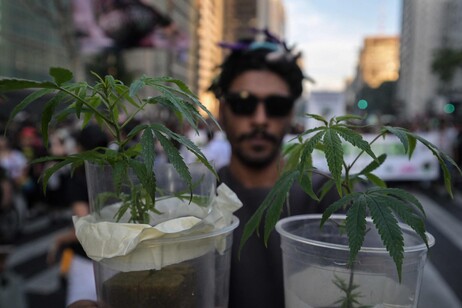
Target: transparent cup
x=317 y=274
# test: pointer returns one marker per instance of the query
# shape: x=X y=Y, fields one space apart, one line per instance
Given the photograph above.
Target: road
x=442 y=278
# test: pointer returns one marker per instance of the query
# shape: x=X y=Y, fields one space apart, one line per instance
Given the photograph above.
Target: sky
x=330 y=33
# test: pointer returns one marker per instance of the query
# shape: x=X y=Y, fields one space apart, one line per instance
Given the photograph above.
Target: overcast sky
x=331 y=32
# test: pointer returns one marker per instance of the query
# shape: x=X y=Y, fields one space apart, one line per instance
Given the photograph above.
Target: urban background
x=412 y=79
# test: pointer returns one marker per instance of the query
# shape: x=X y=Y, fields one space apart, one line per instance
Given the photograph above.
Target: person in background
x=258 y=85
x=217 y=150
x=80 y=277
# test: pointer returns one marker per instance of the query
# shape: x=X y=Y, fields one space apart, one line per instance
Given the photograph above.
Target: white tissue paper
x=134 y=247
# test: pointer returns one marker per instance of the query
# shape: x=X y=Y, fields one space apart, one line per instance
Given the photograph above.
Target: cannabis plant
x=386 y=206
x=106 y=102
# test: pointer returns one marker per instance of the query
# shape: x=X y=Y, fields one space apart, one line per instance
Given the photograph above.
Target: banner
x=423 y=166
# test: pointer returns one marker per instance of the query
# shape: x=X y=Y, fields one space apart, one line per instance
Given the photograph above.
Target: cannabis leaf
x=104 y=102
x=387 y=207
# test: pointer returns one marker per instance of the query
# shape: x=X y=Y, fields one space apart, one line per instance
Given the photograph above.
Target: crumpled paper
x=133 y=247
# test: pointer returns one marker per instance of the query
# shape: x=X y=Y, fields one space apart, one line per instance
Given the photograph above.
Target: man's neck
x=255 y=178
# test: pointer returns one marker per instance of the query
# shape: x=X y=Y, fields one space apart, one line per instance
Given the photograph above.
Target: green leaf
x=337 y=205
x=375 y=180
x=308 y=148
x=334 y=156
x=60 y=75
x=272 y=199
x=47 y=115
x=356 y=226
x=355 y=139
x=175 y=158
x=26 y=102
x=317 y=117
x=402 y=135
x=13 y=84
x=276 y=199
x=374 y=164
x=348 y=117
x=148 y=148
x=146 y=177
x=388 y=228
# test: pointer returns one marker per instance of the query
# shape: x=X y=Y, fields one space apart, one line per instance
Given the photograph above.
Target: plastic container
x=317 y=274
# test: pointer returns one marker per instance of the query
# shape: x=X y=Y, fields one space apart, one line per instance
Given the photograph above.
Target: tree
x=445 y=63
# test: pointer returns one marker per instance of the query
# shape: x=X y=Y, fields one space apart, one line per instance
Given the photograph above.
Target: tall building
x=379 y=60
x=427 y=26
x=209 y=54
x=28 y=43
x=242 y=15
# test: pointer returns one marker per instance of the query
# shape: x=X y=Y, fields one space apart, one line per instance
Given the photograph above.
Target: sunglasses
x=245 y=103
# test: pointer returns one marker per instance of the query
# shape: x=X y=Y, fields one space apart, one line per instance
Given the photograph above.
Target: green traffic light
x=449 y=108
x=362 y=104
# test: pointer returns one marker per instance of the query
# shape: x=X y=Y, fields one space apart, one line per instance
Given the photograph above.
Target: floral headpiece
x=279 y=49
x=268 y=41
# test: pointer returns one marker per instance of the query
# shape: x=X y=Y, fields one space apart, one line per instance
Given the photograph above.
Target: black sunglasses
x=245 y=103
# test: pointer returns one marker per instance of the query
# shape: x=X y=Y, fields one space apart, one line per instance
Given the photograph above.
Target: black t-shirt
x=256 y=275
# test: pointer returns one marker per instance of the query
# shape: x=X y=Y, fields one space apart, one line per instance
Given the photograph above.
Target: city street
x=442 y=282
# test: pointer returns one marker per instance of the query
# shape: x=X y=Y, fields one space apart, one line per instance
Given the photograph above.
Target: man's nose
x=259 y=116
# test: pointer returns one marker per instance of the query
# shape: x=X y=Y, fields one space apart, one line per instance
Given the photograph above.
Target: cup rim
x=200 y=236
x=410 y=248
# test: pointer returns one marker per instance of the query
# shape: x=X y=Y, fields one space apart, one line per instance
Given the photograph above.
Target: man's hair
x=253 y=55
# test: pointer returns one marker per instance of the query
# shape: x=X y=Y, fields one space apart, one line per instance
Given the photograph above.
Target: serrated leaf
x=356 y=226
x=388 y=229
x=402 y=195
x=317 y=117
x=175 y=158
x=375 y=180
x=308 y=148
x=13 y=84
x=47 y=115
x=60 y=75
x=253 y=223
x=31 y=98
x=307 y=184
x=120 y=174
x=148 y=148
x=276 y=199
x=348 y=117
x=374 y=164
x=354 y=139
x=337 y=205
x=401 y=134
x=334 y=156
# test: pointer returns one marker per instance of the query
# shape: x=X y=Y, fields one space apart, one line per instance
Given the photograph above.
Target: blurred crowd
x=21 y=186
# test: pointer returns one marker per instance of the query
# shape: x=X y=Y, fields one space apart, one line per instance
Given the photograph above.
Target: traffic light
x=449 y=108
x=362 y=104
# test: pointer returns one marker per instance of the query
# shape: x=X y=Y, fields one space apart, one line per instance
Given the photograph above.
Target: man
x=258 y=85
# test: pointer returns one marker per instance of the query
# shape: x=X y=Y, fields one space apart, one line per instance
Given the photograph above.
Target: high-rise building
x=427 y=26
x=209 y=54
x=28 y=43
x=379 y=60
x=242 y=15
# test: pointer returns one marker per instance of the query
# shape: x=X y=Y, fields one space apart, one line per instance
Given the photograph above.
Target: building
x=427 y=26
x=209 y=54
x=28 y=43
x=242 y=15
x=379 y=60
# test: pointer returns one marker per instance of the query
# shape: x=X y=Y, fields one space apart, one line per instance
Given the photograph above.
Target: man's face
x=256 y=134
